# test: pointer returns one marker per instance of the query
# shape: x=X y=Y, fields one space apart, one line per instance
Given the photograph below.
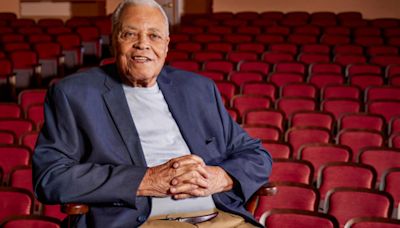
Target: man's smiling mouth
x=141 y=59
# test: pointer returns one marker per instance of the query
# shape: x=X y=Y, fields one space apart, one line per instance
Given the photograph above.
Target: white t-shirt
x=161 y=141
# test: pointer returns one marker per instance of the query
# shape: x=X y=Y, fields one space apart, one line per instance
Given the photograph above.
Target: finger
x=182 y=196
x=199 y=192
x=192 y=171
x=190 y=178
x=184 y=188
x=187 y=159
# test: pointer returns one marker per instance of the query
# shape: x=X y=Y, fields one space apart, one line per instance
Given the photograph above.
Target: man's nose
x=142 y=42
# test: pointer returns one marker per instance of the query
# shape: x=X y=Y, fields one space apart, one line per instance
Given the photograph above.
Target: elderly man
x=145 y=144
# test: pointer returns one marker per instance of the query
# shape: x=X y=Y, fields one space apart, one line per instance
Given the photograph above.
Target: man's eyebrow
x=131 y=27
x=155 y=30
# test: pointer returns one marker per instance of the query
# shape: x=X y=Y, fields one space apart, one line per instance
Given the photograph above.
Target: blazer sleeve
x=59 y=175
x=247 y=162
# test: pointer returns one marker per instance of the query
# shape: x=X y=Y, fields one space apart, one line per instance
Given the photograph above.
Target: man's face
x=141 y=45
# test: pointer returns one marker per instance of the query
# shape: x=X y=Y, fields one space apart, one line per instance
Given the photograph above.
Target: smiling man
x=144 y=144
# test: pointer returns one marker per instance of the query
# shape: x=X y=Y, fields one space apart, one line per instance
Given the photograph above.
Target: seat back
x=380 y=158
x=263 y=131
x=15 y=201
x=18 y=126
x=394 y=125
x=299 y=89
x=358 y=139
x=312 y=119
x=12 y=156
x=35 y=112
x=276 y=57
x=348 y=49
x=227 y=89
x=382 y=92
x=340 y=106
x=260 y=88
x=244 y=103
x=364 y=202
x=241 y=77
x=265 y=116
x=321 y=80
x=48 y=50
x=202 y=56
x=254 y=66
x=188 y=65
x=24 y=59
x=7 y=137
x=221 y=66
x=21 y=177
x=366 y=80
x=319 y=154
x=290 y=67
x=394 y=140
x=253 y=47
x=354 y=69
x=283 y=47
x=30 y=221
x=31 y=96
x=277 y=218
x=288 y=195
x=298 y=136
x=288 y=170
x=385 y=107
x=282 y=78
x=316 y=48
x=325 y=68
x=278 y=149
x=345 y=174
x=368 y=222
x=389 y=183
x=237 y=56
x=361 y=120
x=290 y=105
x=10 y=110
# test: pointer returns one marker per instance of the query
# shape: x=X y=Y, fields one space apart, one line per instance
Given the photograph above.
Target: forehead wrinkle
x=125 y=18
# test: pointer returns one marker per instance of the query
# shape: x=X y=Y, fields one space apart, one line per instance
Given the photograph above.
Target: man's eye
x=155 y=36
x=128 y=35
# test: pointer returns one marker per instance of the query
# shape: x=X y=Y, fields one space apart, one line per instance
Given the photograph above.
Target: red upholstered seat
x=345 y=174
x=364 y=202
x=15 y=201
x=288 y=196
x=277 y=218
x=358 y=139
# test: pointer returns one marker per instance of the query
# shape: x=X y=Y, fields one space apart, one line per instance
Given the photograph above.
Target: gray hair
x=117 y=13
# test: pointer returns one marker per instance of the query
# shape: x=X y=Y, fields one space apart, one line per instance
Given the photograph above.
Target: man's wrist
x=146 y=187
x=229 y=182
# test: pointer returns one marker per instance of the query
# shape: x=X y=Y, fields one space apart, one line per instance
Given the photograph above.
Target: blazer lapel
x=118 y=107
x=180 y=110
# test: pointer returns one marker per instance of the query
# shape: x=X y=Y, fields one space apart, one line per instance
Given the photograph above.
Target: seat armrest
x=74 y=208
x=265 y=190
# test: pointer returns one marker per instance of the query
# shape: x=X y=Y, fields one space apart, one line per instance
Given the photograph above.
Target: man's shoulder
x=183 y=76
x=85 y=76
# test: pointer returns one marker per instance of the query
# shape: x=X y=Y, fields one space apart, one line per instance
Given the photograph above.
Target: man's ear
x=167 y=46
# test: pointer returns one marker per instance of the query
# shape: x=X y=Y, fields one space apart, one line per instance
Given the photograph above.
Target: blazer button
x=142 y=218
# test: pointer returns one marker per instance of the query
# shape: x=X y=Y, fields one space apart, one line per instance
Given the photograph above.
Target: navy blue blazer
x=89 y=150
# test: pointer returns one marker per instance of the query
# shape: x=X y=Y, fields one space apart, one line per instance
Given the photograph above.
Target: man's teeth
x=140 y=58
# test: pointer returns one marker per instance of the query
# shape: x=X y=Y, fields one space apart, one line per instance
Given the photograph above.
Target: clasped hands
x=184 y=177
